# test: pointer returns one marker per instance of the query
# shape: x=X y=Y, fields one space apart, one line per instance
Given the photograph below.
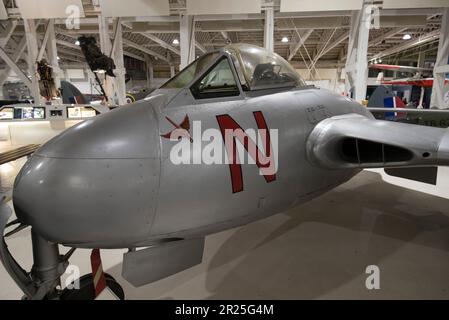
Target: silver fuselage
x=109 y=182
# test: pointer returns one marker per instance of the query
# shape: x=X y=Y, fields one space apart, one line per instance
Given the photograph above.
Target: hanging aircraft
x=116 y=181
x=421 y=82
x=398 y=68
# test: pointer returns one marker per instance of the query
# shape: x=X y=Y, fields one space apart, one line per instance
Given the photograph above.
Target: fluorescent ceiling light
x=284 y=40
x=407 y=36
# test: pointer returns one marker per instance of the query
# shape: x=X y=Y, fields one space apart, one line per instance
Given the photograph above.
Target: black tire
x=87 y=291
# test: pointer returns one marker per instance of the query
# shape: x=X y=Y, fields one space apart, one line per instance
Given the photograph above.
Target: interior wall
x=328 y=78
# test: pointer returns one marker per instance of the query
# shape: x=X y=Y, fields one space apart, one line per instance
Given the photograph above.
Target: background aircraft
x=419 y=85
x=390 y=67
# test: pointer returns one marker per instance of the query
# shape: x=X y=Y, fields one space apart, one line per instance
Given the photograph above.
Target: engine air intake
x=360 y=151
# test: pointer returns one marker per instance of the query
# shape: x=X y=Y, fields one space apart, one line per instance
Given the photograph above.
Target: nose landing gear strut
x=44 y=280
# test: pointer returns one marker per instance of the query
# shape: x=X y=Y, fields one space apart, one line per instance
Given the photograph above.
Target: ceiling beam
x=432 y=48
x=431 y=36
x=134 y=56
x=200 y=47
x=311 y=23
x=15 y=58
x=74 y=55
x=14 y=67
x=74 y=46
x=380 y=39
x=68 y=44
x=323 y=43
x=160 y=42
x=136 y=46
x=304 y=35
x=386 y=35
x=258 y=16
x=7 y=33
x=126 y=42
x=335 y=43
x=73 y=59
x=249 y=25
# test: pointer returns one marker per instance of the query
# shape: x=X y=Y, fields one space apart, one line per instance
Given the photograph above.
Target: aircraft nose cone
x=95 y=184
x=120 y=134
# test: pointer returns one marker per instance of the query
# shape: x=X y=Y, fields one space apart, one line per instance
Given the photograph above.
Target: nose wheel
x=86 y=289
x=96 y=285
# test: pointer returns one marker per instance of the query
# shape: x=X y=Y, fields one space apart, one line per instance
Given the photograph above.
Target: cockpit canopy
x=258 y=68
x=253 y=67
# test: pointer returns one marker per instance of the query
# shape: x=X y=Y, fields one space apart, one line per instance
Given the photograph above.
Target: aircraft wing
x=399 y=68
x=426 y=117
x=406 y=110
x=426 y=83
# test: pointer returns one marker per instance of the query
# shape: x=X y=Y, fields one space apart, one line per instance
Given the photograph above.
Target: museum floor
x=317 y=251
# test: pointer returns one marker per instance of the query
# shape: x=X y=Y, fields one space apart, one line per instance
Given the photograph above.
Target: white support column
x=440 y=91
x=150 y=71
x=52 y=53
x=395 y=72
x=421 y=59
x=105 y=39
x=32 y=47
x=187 y=40
x=170 y=63
x=120 y=71
x=66 y=75
x=226 y=37
x=269 y=28
x=338 y=79
x=357 y=63
x=362 y=56
x=351 y=57
x=421 y=98
x=41 y=53
x=106 y=48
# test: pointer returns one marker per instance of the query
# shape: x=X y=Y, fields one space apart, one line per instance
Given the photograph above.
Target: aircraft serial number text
x=228 y=310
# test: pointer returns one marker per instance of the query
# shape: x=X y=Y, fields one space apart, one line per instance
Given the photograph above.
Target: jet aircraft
x=110 y=182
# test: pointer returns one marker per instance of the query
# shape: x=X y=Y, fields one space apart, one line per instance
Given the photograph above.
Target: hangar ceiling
x=321 y=37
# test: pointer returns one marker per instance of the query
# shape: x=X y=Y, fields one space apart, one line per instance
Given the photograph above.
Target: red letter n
x=265 y=162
